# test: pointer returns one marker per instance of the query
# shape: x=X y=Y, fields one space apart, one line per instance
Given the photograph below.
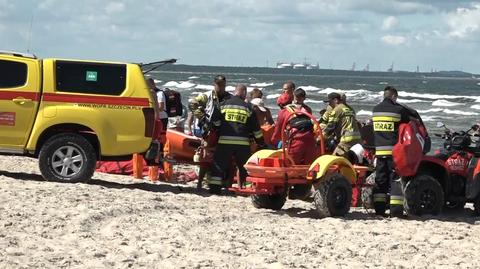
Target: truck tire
x=423 y=195
x=269 y=201
x=333 y=196
x=67 y=158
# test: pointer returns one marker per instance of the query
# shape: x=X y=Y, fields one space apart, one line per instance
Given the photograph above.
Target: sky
x=431 y=34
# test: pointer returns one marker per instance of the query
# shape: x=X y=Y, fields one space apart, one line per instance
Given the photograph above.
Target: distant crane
x=367 y=68
x=353 y=67
x=391 y=68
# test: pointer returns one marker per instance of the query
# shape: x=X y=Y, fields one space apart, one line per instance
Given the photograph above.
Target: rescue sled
x=273 y=176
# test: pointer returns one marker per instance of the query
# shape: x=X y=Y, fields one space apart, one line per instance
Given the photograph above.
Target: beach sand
x=119 y=222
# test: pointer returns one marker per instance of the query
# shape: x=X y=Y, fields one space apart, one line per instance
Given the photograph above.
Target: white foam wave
x=262 y=84
x=475 y=107
x=460 y=112
x=314 y=101
x=185 y=85
x=383 y=83
x=364 y=112
x=273 y=96
x=329 y=90
x=406 y=101
x=204 y=87
x=445 y=103
x=170 y=84
x=435 y=96
x=434 y=110
x=157 y=81
x=309 y=88
x=193 y=77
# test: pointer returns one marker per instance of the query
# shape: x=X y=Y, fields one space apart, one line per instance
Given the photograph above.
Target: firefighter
x=387 y=117
x=238 y=123
x=341 y=126
x=206 y=109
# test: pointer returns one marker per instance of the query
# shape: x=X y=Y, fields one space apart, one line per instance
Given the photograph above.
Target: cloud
x=389 y=23
x=464 y=22
x=394 y=40
x=114 y=7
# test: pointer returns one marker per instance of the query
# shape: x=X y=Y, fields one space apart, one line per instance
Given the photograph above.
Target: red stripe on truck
x=10 y=95
x=89 y=99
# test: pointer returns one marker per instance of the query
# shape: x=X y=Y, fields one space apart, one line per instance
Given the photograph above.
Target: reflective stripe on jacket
x=238 y=123
x=386 y=118
x=342 y=124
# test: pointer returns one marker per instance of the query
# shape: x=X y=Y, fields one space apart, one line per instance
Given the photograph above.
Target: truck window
x=14 y=74
x=94 y=78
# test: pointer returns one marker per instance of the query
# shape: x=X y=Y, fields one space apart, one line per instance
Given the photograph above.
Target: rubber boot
x=396 y=199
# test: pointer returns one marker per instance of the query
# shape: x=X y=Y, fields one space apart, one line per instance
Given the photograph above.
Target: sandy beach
x=119 y=222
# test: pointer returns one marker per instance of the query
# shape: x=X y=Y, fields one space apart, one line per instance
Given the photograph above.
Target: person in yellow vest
x=341 y=125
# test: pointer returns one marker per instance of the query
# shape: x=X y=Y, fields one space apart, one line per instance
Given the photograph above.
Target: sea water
x=438 y=97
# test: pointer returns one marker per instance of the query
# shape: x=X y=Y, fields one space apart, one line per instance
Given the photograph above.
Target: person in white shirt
x=163 y=116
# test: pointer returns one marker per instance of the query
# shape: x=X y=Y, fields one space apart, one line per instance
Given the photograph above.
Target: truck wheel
x=273 y=201
x=423 y=195
x=67 y=158
x=333 y=196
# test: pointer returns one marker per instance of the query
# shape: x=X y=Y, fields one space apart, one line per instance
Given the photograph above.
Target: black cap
x=331 y=96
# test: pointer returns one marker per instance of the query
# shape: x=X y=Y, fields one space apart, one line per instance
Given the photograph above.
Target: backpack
x=299 y=122
x=408 y=151
x=173 y=103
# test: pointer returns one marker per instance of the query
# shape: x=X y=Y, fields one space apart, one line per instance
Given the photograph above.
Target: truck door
x=20 y=86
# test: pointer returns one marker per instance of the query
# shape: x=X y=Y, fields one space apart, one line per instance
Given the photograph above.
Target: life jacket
x=408 y=151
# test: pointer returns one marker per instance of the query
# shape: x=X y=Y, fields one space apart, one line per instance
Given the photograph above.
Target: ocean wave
x=460 y=112
x=435 y=96
x=406 y=101
x=309 y=88
x=273 y=96
x=170 y=84
x=185 y=85
x=475 y=107
x=434 y=110
x=364 y=113
x=193 y=77
x=157 y=81
x=329 y=90
x=314 y=101
x=261 y=84
x=445 y=103
x=204 y=87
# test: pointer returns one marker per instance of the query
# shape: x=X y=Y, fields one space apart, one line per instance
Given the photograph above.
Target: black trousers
x=222 y=160
x=386 y=182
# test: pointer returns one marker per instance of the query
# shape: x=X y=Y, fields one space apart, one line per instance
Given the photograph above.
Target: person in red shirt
x=301 y=142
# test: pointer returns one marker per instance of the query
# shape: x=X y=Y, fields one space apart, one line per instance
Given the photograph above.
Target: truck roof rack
x=18 y=54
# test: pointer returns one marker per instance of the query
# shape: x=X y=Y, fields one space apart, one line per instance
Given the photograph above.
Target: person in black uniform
x=238 y=123
x=387 y=117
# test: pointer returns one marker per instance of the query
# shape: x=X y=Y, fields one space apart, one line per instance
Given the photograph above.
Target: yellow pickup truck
x=71 y=113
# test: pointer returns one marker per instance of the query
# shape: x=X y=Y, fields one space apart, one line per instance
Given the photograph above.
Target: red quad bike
x=459 y=173
x=273 y=176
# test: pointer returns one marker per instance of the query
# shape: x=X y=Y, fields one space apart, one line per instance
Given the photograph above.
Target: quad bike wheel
x=67 y=158
x=333 y=196
x=269 y=201
x=423 y=195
